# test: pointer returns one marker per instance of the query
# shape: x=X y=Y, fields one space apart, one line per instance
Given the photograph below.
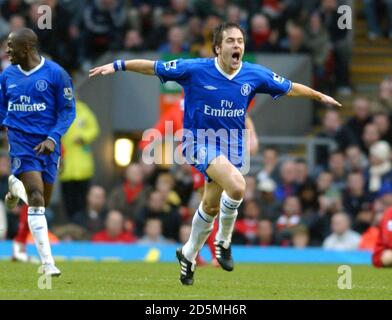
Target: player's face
x=232 y=49
x=15 y=51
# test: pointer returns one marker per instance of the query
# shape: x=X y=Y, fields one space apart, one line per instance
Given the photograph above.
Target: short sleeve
x=272 y=83
x=175 y=70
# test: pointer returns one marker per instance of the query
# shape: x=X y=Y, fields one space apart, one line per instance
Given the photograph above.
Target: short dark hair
x=218 y=33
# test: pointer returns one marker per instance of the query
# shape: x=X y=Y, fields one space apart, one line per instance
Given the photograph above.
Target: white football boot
x=51 y=270
x=16 y=191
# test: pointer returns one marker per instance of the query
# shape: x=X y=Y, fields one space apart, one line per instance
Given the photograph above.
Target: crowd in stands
x=82 y=30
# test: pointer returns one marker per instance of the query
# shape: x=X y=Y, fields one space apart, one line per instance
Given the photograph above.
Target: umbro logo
x=210 y=88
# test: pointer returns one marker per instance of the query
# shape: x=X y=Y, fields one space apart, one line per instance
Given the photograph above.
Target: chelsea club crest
x=41 y=85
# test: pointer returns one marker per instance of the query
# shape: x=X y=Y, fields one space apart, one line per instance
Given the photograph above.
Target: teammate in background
x=217 y=94
x=382 y=255
x=37 y=108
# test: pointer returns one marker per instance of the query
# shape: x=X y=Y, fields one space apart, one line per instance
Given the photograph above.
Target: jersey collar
x=228 y=76
x=27 y=73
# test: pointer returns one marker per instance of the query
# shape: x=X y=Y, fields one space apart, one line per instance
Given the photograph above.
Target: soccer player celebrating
x=37 y=108
x=217 y=94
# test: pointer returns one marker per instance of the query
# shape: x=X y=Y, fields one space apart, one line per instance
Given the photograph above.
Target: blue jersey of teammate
x=218 y=101
x=36 y=105
x=39 y=101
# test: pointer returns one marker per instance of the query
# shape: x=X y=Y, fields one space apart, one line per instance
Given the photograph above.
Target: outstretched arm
x=137 y=65
x=300 y=90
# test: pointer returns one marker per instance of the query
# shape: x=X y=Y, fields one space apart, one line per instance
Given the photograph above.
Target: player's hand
x=329 y=100
x=45 y=147
x=103 y=70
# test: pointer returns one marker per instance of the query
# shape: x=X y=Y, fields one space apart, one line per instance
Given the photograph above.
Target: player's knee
x=210 y=207
x=237 y=188
x=36 y=198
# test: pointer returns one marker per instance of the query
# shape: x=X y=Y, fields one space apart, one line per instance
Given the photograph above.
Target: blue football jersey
x=215 y=100
x=39 y=101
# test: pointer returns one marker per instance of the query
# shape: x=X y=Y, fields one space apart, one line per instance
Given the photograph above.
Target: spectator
x=300 y=237
x=370 y=136
x=380 y=170
x=184 y=183
x=328 y=196
x=153 y=232
x=9 y=8
x=340 y=43
x=268 y=203
x=307 y=194
x=336 y=166
x=342 y=237
x=302 y=173
x=317 y=40
x=364 y=219
x=235 y=15
x=133 y=41
x=290 y=217
x=361 y=118
x=78 y=166
x=371 y=8
x=194 y=35
x=245 y=227
x=261 y=37
x=156 y=38
x=184 y=233
x=16 y=22
x=287 y=187
x=155 y=207
x=103 y=25
x=269 y=165
x=165 y=184
x=93 y=217
x=114 y=230
x=175 y=42
x=265 y=234
x=295 y=42
x=211 y=23
x=250 y=188
x=384 y=102
x=4 y=60
x=355 y=159
x=354 y=197
x=334 y=130
x=131 y=195
x=181 y=10
x=382 y=121
x=71 y=232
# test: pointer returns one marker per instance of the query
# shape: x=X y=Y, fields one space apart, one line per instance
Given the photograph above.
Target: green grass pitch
x=120 y=280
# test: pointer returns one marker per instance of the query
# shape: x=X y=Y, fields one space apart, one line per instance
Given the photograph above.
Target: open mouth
x=236 y=57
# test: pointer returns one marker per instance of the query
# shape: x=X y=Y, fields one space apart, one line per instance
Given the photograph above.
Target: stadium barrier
x=87 y=251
